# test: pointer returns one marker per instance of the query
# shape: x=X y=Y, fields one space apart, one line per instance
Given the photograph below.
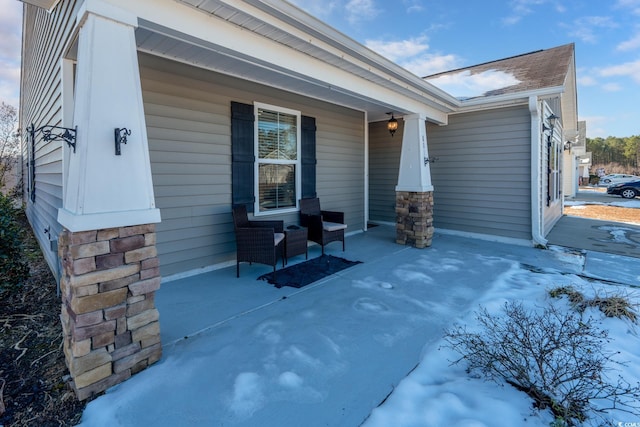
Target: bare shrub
x=559 y=359
x=9 y=144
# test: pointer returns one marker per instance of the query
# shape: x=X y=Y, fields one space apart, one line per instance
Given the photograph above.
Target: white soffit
x=42 y=4
x=283 y=23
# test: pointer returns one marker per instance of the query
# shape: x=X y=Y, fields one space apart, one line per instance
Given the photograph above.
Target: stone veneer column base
x=110 y=324
x=414 y=218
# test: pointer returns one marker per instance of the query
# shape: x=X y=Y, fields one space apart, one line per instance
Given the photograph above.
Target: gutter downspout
x=536 y=167
x=366 y=169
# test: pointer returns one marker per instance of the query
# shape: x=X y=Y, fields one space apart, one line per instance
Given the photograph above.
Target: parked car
x=628 y=190
x=616 y=178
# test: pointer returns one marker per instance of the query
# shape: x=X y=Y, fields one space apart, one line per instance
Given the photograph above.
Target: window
x=244 y=153
x=278 y=161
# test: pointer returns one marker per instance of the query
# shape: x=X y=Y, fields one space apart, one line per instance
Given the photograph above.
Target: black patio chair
x=257 y=241
x=324 y=226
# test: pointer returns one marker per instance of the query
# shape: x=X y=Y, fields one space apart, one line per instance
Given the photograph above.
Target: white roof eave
x=497 y=101
x=279 y=12
x=47 y=5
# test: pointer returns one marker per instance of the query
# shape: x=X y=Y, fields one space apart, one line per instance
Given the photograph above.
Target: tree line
x=615 y=155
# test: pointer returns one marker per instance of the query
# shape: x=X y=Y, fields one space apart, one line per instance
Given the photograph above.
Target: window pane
x=277 y=186
x=277 y=134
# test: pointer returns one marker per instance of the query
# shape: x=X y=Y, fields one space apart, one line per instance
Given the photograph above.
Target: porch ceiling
x=217 y=58
x=316 y=43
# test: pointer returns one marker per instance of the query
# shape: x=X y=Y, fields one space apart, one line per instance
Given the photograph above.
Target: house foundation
x=110 y=325
x=414 y=218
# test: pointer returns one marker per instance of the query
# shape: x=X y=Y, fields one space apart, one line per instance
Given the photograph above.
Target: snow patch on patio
x=619 y=234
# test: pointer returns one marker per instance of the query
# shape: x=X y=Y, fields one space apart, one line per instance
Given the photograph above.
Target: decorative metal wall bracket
x=120 y=135
x=428 y=160
x=55 y=133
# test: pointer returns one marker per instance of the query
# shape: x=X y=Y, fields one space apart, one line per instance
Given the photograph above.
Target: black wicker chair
x=324 y=226
x=257 y=241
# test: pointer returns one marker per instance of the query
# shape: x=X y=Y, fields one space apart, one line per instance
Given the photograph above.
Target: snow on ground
x=328 y=354
x=622 y=203
x=438 y=393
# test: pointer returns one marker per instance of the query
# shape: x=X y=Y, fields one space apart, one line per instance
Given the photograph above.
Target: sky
x=430 y=36
x=239 y=352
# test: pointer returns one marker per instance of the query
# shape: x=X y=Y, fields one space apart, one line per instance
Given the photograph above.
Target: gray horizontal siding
x=45 y=35
x=188 y=123
x=482 y=178
x=384 y=161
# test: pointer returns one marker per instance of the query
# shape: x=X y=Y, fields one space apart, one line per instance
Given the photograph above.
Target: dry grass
x=33 y=374
x=605 y=213
x=611 y=305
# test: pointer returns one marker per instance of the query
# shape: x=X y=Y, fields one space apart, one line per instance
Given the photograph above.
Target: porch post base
x=414 y=218
x=110 y=325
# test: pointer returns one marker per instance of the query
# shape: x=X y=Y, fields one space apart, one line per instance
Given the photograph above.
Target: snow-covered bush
x=555 y=356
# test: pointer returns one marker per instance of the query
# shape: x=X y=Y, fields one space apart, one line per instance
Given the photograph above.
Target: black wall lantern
x=392 y=125
x=552 y=120
x=120 y=135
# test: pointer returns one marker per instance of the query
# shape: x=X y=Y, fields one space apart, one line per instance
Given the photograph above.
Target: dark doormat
x=307 y=272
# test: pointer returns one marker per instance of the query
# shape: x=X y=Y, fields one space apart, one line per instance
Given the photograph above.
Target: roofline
x=495 y=60
x=507 y=99
x=282 y=9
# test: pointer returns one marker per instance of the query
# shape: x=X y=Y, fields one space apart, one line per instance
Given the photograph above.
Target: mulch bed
x=33 y=375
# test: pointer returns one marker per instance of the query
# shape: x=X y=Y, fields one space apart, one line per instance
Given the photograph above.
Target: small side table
x=295 y=241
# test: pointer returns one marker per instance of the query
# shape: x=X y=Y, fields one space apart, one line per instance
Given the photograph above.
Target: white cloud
x=587 y=28
x=587 y=81
x=595 y=125
x=413 y=55
x=631 y=44
x=431 y=64
x=397 y=50
x=361 y=10
x=634 y=5
x=10 y=44
x=611 y=87
x=413 y=6
x=520 y=9
x=467 y=85
x=318 y=8
x=628 y=69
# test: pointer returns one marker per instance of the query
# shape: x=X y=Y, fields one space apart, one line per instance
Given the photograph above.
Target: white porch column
x=105 y=190
x=414 y=192
x=415 y=173
x=108 y=250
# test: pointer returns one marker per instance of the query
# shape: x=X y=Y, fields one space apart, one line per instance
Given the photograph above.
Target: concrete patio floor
x=365 y=327
x=194 y=304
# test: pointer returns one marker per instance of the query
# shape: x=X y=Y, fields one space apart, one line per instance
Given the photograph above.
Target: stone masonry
x=110 y=324
x=414 y=218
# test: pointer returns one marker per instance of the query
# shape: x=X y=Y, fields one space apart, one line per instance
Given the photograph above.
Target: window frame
x=258 y=161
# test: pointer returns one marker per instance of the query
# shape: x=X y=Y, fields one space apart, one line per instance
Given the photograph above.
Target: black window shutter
x=32 y=168
x=308 y=144
x=242 y=158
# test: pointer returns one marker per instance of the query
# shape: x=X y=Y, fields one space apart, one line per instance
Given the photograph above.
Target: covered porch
x=241 y=352
x=190 y=86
